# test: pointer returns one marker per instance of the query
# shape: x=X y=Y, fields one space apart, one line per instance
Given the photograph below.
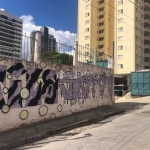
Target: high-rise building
x=10 y=35
x=146 y=34
x=129 y=41
x=95 y=25
x=47 y=41
x=100 y=22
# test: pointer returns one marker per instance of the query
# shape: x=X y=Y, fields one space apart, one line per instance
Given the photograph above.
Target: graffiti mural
x=76 y=86
x=35 y=85
x=40 y=84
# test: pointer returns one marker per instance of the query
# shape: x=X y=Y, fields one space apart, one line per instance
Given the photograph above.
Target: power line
x=84 y=16
x=123 y=13
x=112 y=16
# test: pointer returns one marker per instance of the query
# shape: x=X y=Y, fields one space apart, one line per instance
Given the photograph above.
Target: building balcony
x=147 y=21
x=146 y=17
x=147 y=55
x=146 y=63
x=6 y=37
x=10 y=27
x=9 y=44
x=147 y=38
x=146 y=46
x=147 y=4
x=146 y=29
x=146 y=12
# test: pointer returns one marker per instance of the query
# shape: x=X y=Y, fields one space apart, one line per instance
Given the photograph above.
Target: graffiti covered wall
x=31 y=92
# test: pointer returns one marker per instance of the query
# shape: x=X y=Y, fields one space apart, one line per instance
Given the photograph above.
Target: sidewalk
x=29 y=133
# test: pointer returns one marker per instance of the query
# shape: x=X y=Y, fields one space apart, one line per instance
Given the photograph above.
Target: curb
x=60 y=130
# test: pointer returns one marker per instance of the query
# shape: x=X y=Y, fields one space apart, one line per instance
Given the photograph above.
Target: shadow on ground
x=130 y=105
x=47 y=141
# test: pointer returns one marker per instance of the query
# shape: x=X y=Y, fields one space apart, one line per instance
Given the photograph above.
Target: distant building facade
x=10 y=35
x=47 y=41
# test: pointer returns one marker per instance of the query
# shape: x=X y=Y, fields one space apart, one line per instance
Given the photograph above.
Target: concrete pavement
x=30 y=133
x=129 y=131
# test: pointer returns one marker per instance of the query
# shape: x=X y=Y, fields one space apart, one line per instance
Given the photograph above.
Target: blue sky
x=45 y=12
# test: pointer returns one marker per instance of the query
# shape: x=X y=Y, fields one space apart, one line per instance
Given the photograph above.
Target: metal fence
x=62 y=54
x=23 y=47
x=91 y=56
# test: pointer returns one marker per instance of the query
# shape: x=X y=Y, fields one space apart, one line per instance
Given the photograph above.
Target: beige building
x=95 y=28
x=120 y=21
x=129 y=41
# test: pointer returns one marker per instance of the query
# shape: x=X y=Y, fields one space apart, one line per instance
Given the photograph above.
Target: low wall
x=31 y=92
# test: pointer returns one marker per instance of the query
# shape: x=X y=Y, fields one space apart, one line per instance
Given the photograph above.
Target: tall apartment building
x=10 y=35
x=147 y=34
x=95 y=25
x=129 y=43
x=47 y=41
x=121 y=21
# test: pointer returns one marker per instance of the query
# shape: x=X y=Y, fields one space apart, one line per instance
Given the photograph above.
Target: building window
x=120 y=20
x=87 y=14
x=101 y=46
x=101 y=23
x=120 y=11
x=120 y=66
x=101 y=16
x=87 y=22
x=101 y=2
x=120 y=29
x=136 y=37
x=120 y=47
x=136 y=19
x=120 y=2
x=101 y=54
x=86 y=45
x=120 y=38
x=136 y=56
x=136 y=10
x=101 y=9
x=120 y=57
x=86 y=53
x=137 y=66
x=136 y=28
x=87 y=30
x=86 y=37
x=88 y=6
x=10 y=19
x=101 y=31
x=101 y=38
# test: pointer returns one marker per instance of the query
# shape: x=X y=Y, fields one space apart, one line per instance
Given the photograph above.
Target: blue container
x=140 y=83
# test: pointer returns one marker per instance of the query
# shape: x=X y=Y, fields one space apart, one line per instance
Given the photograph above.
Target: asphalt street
x=129 y=131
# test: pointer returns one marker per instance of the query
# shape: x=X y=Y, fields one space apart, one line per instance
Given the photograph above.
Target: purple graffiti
x=80 y=87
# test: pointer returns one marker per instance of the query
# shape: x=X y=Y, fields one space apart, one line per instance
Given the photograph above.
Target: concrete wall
x=31 y=92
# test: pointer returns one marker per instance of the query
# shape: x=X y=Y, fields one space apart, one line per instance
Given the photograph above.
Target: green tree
x=61 y=58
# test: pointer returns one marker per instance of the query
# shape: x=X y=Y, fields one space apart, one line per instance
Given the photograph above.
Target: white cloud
x=63 y=36
x=2 y=9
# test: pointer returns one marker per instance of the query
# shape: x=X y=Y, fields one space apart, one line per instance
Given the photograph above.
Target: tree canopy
x=61 y=58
